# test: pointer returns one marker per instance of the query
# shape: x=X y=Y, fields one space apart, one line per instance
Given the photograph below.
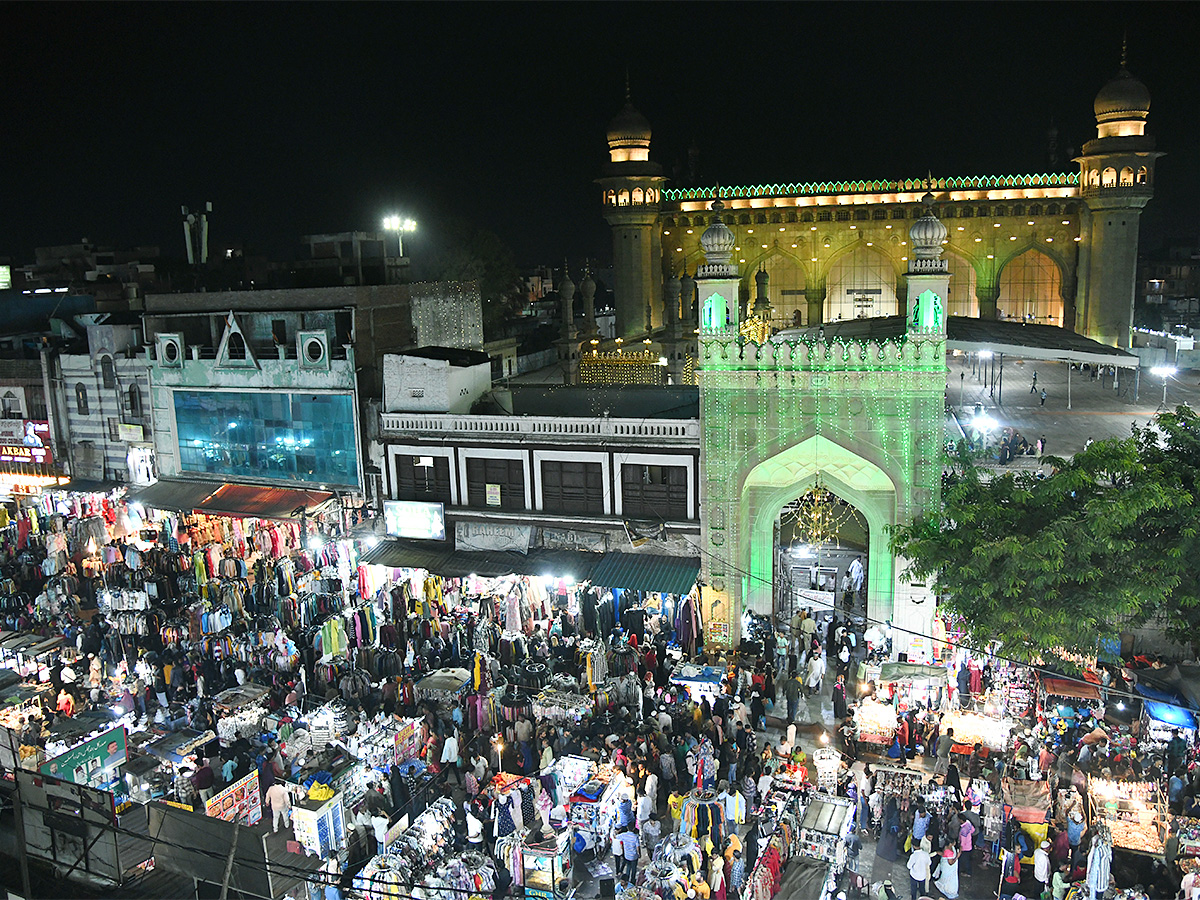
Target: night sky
x=296 y=119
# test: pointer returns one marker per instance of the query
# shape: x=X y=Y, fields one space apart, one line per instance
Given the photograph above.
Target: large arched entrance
x=1031 y=289
x=775 y=484
x=860 y=285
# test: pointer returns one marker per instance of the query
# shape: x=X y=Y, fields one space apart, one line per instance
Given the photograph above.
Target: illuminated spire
x=1124 y=47
x=627 y=97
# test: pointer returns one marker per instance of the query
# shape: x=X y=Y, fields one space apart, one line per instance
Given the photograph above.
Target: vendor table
x=972 y=728
x=235 y=698
x=177 y=746
x=547 y=866
x=826 y=824
x=700 y=681
x=1134 y=811
x=875 y=722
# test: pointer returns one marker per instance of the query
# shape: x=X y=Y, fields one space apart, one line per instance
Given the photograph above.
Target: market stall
x=547 y=866
x=593 y=806
x=824 y=828
x=875 y=723
x=445 y=686
x=971 y=728
x=1029 y=801
x=699 y=681
x=1134 y=811
x=1161 y=722
x=318 y=821
x=912 y=685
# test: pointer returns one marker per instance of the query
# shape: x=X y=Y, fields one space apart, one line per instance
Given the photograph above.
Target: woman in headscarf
x=889 y=831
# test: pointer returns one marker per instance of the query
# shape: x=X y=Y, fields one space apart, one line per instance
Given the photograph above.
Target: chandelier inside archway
x=816 y=516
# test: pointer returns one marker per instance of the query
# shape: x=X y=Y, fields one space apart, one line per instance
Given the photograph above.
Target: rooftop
x=452 y=355
x=633 y=402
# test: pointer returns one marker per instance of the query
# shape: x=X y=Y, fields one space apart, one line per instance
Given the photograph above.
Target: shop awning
x=647 y=572
x=177 y=494
x=220 y=498
x=1068 y=687
x=890 y=673
x=443 y=560
x=259 y=502
x=1170 y=715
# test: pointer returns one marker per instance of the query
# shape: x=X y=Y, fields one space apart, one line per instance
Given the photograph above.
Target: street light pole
x=1163 y=372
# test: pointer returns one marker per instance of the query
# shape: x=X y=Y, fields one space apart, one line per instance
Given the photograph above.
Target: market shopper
x=627 y=848
x=946 y=874
x=279 y=801
x=919 y=868
x=1041 y=866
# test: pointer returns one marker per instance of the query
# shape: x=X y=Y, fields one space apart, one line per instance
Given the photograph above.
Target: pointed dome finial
x=627 y=97
x=1124 y=47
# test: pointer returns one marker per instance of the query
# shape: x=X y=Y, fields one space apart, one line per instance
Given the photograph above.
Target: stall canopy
x=1183 y=680
x=444 y=560
x=218 y=498
x=890 y=673
x=1067 y=687
x=1170 y=715
x=647 y=572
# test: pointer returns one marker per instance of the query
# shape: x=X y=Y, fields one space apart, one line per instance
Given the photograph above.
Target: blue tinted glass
x=290 y=437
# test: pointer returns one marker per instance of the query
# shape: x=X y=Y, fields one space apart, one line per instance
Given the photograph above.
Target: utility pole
x=229 y=863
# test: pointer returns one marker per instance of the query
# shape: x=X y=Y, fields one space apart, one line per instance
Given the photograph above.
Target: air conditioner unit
x=312 y=349
x=169 y=349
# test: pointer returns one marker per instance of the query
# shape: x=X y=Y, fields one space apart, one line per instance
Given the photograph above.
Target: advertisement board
x=25 y=441
x=92 y=762
x=412 y=519
x=240 y=802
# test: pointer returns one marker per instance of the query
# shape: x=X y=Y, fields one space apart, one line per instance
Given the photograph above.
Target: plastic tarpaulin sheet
x=897 y=671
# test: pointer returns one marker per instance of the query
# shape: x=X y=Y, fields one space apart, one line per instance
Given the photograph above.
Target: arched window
x=81 y=399
x=1035 y=209
x=760 y=219
x=1052 y=209
x=1018 y=210
x=962 y=300
x=1143 y=175
x=107 y=372
x=860 y=215
x=637 y=195
x=786 y=291
x=236 y=348
x=622 y=198
x=1126 y=176
x=879 y=214
x=135 y=401
x=744 y=219
x=777 y=218
x=862 y=284
x=1108 y=178
x=967 y=212
x=1094 y=178
x=1030 y=289
x=669 y=222
x=806 y=217
x=791 y=216
x=948 y=213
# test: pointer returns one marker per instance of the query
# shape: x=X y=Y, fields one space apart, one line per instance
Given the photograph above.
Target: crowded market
x=466 y=730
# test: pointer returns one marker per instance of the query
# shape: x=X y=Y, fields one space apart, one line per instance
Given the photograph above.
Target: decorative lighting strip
x=963 y=182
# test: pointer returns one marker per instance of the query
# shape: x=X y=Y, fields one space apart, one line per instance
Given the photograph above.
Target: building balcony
x=553 y=429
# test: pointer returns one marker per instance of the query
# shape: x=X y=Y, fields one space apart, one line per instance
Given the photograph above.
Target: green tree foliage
x=1059 y=562
x=456 y=250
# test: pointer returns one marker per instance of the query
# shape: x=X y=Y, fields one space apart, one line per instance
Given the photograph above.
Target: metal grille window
x=654 y=491
x=507 y=474
x=572 y=487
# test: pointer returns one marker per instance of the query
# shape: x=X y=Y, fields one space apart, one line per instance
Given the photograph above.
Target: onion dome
x=629 y=126
x=718 y=239
x=1122 y=98
x=566 y=287
x=927 y=233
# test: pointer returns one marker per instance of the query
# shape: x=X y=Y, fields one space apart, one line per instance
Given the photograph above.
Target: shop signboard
x=493 y=495
x=129 y=433
x=570 y=539
x=240 y=802
x=492 y=536
x=412 y=519
x=25 y=441
x=92 y=762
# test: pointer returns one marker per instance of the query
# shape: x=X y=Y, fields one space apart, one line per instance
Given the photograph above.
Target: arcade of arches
x=862 y=283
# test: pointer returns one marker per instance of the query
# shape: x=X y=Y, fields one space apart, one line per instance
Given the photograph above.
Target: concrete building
x=102 y=413
x=435 y=379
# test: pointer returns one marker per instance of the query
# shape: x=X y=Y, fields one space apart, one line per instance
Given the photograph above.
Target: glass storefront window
x=289 y=437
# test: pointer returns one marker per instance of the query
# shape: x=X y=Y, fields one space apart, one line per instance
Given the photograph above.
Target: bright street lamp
x=1164 y=372
x=399 y=225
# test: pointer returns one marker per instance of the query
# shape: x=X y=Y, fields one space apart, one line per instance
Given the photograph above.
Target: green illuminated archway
x=776 y=481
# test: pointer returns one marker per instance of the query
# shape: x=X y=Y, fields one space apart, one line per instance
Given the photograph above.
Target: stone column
x=815 y=295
